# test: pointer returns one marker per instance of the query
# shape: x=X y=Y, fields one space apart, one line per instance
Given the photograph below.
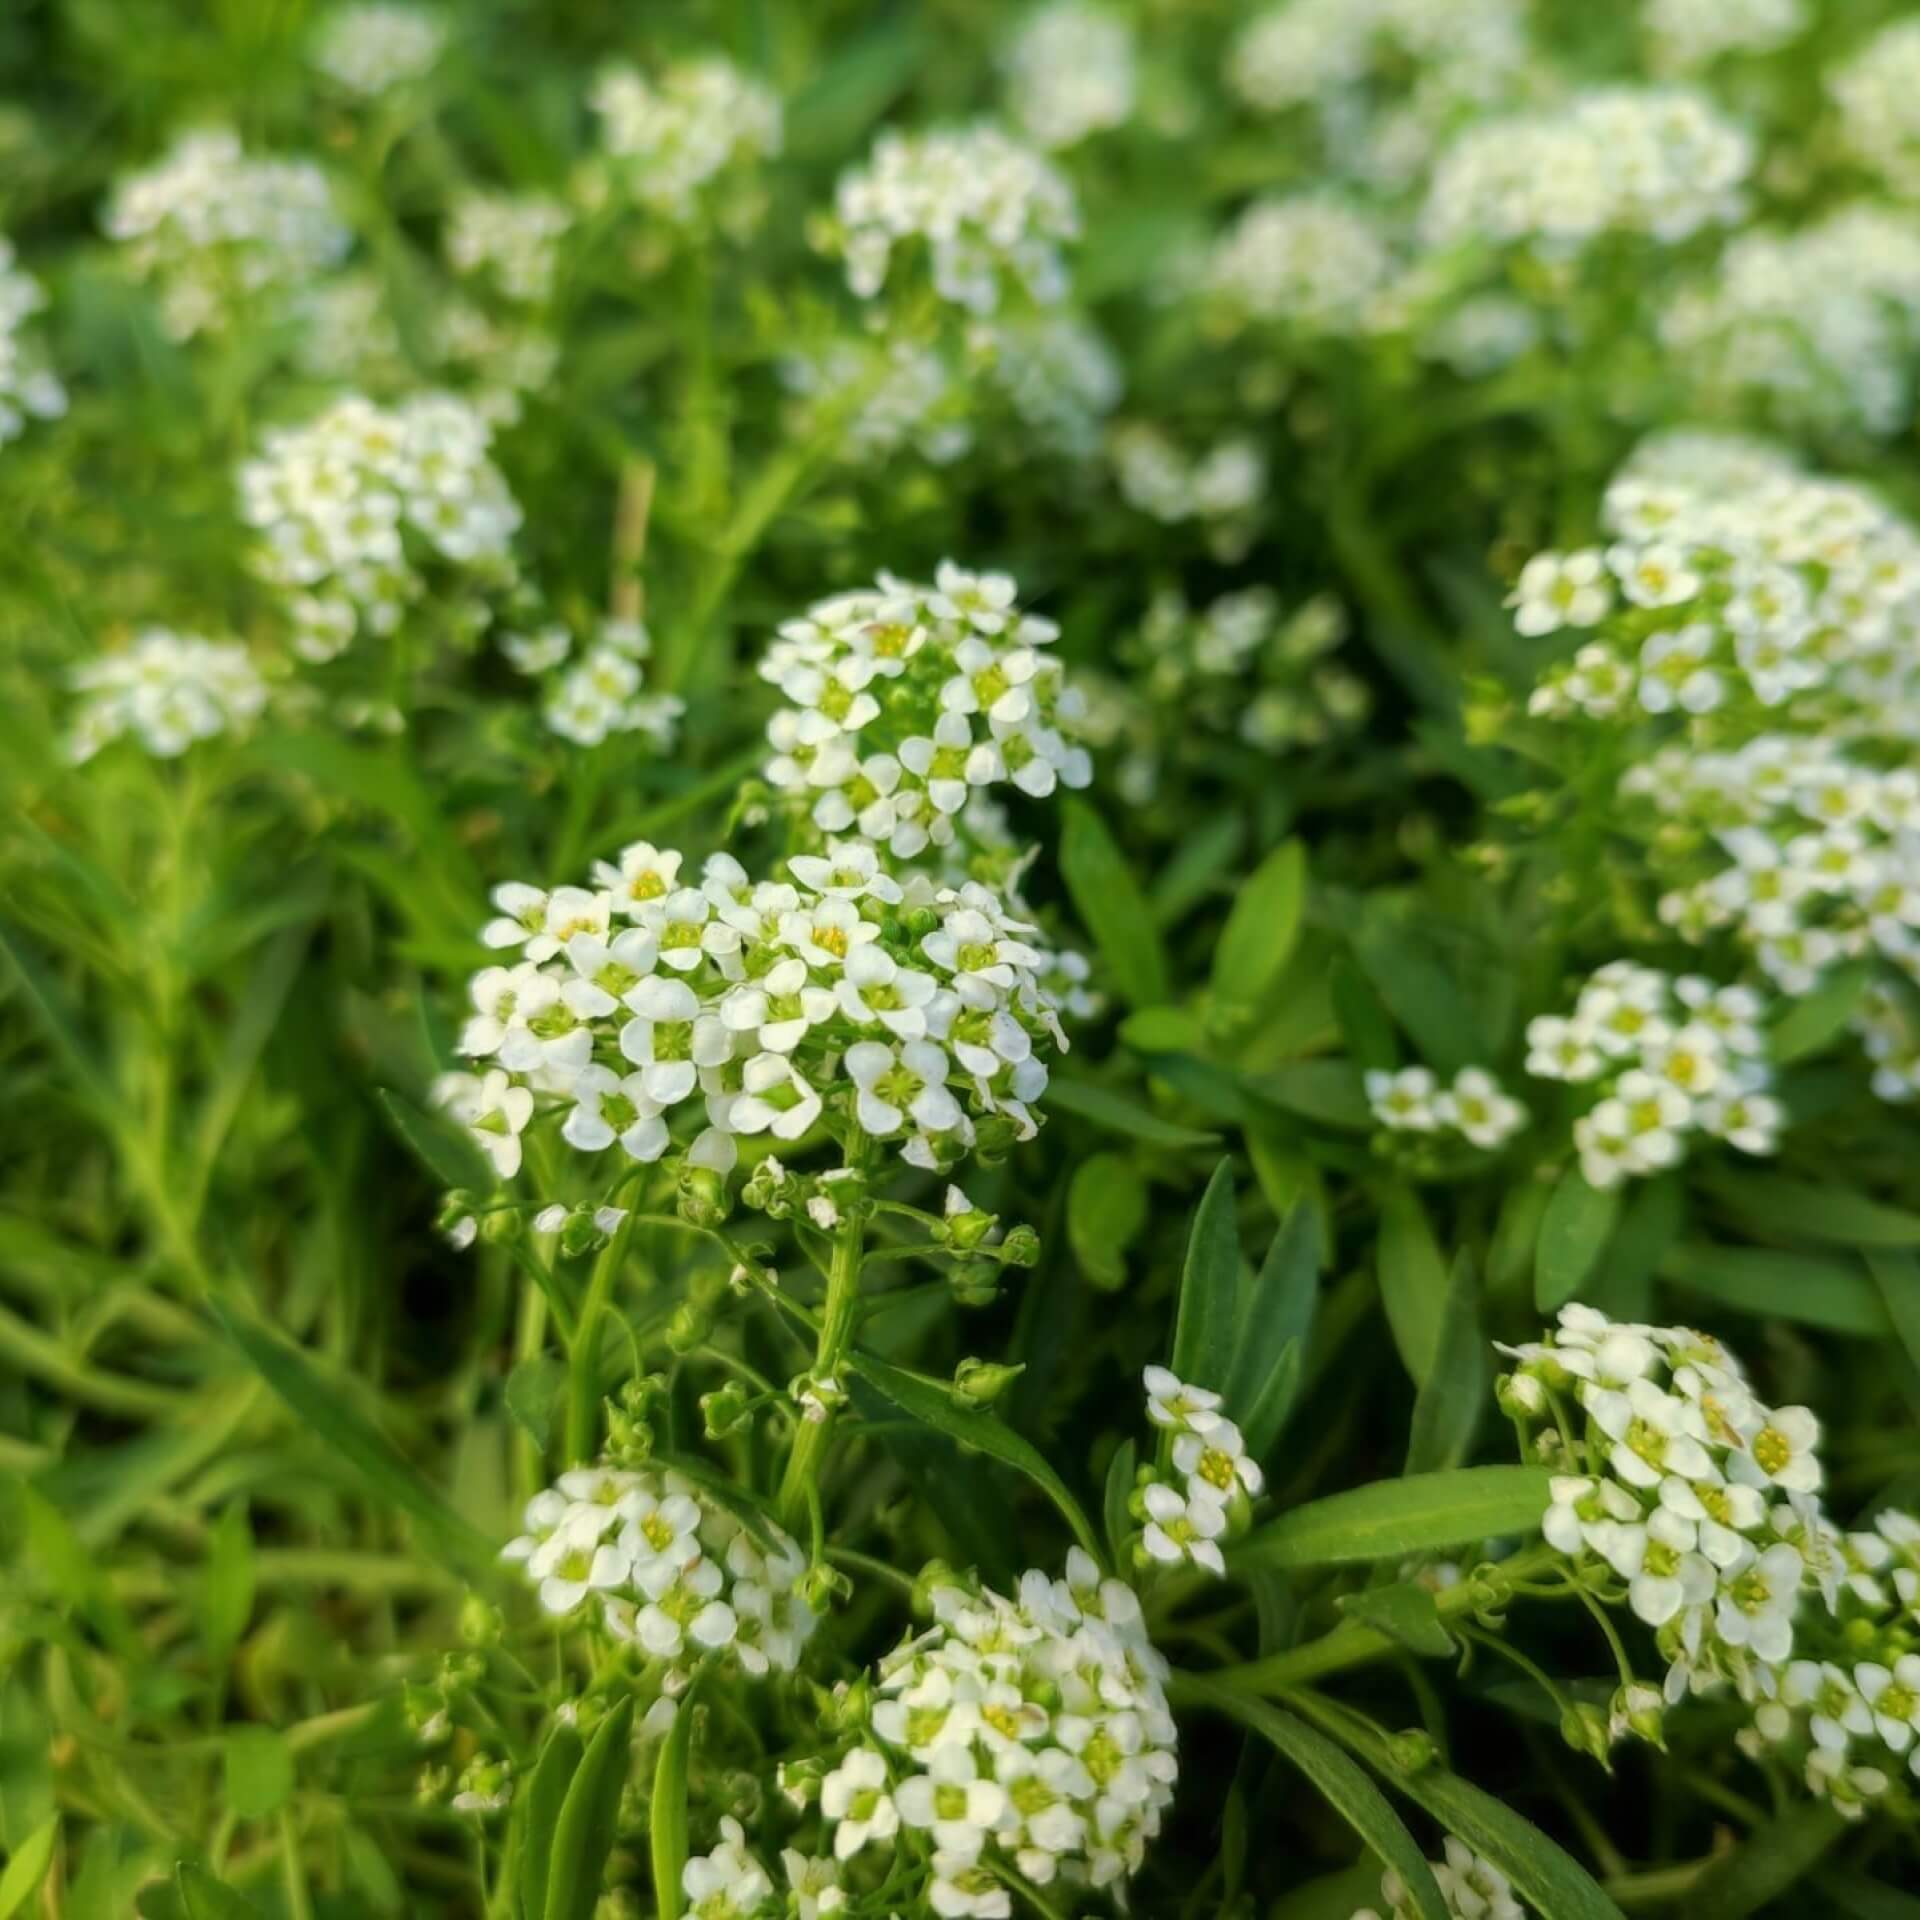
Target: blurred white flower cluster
x=1071 y=72
x=668 y=139
x=602 y=692
x=1688 y=34
x=372 y=48
x=1876 y=102
x=509 y=240
x=346 y=503
x=1222 y=487
x=1659 y=162
x=1031 y=1731
x=905 y=701
x=1310 y=261
x=990 y=213
x=1473 y=1888
x=167 y=690
x=29 y=390
x=1668 y=1057
x=1474 y=1105
x=909 y=399
x=216 y=231
x=667 y=1568
x=917 y=1011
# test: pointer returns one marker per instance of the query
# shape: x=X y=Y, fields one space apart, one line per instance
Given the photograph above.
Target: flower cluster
x=991 y=214
x=1662 y=162
x=1818 y=325
x=28 y=388
x=1033 y=1731
x=371 y=48
x=215 y=231
x=904 y=701
x=1668 y=1057
x=345 y=503
x=167 y=690
x=1071 y=72
x=1689 y=34
x=1889 y=1030
x=1473 y=1888
x=1312 y=262
x=1186 y=1519
x=1876 y=100
x=511 y=240
x=1222 y=487
x=666 y=1568
x=667 y=140
x=1475 y=1106
x=602 y=692
x=909 y=398
x=917 y=1011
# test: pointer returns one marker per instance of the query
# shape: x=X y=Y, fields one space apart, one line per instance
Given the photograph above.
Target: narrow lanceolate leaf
x=1897 y=1275
x=1111 y=907
x=28 y=1867
x=1815 y=1020
x=441 y=1147
x=321 y=1409
x=1206 y=1320
x=934 y=1407
x=1262 y=930
x=1413 y=1279
x=1418 y=1514
x=667 y=1813
x=1833 y=1291
x=1574 y=1232
x=1119 y=1489
x=538 y=1810
x=55 y=1016
x=1116 y=1114
x=1406 y=1612
x=1773 y=1858
x=1453 y=1396
x=1808 y=1210
x=1342 y=1783
x=583 y=1835
x=1271 y=1358
x=202 y=1897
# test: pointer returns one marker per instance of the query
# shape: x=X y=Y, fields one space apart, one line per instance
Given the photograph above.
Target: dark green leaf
x=1199 y=859
x=1805 y=1210
x=1897 y=1275
x=1207 y=1319
x=667 y=1813
x=1574 y=1233
x=1775 y=1856
x=1402 y=958
x=1119 y=1115
x=1421 y=1513
x=533 y=1394
x=1818 y=1290
x=1275 y=1325
x=445 y=1150
x=1815 y=1020
x=538 y=1811
x=1363 y=1018
x=1106 y=1208
x=1413 y=1279
x=583 y=1835
x=1111 y=907
x=1404 y=1612
x=204 y=1898
x=1119 y=1490
x=1859 y=1898
x=1258 y=939
x=1453 y=1397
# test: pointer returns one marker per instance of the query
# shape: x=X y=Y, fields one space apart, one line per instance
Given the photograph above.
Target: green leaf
x=226 y=1594
x=1453 y=1397
x=1262 y=929
x=667 y=1813
x=1106 y=1208
x=1574 y=1233
x=205 y=1898
x=444 y=1149
x=1815 y=1020
x=1197 y=861
x=1897 y=1275
x=538 y=1812
x=1332 y=1092
x=1119 y=1490
x=1363 y=1018
x=369 y=1870
x=1859 y=1898
x=583 y=1835
x=1164 y=1030
x=1404 y=1612
x=323 y=1410
x=1275 y=1324
x=1420 y=1513
x=533 y=1392
x=258 y=1771
x=1817 y=1290
x=1775 y=1856
x=1119 y=1115
x=28 y=1867
x=1207 y=1320
x=935 y=1407
x=1649 y=1225
x=1806 y=1210
x=1111 y=907
x=1413 y=1279
x=1400 y=957
x=1342 y=1784
x=50 y=1008
x=854 y=88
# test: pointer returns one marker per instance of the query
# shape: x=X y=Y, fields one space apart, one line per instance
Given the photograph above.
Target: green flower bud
x=966 y=1229
x=1584 y=1728
x=724 y=1410
x=977 y=1384
x=932 y=1577
x=975 y=1283
x=821 y=1585
x=1640 y=1710
x=1411 y=1750
x=702 y=1198
x=1021 y=1247
x=501 y=1226
x=690 y=1327
x=480 y=1622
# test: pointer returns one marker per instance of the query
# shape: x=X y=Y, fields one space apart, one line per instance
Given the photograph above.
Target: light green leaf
x=1262 y=929
x=1111 y=907
x=1404 y=1612
x=1117 y=1114
x=1420 y=1513
x=371 y=1872
x=28 y=1867
x=1574 y=1232
x=226 y=1594
x=325 y=1412
x=1818 y=1290
x=259 y=1772
x=1106 y=1208
x=1119 y=1490
x=1806 y=1210
x=1401 y=957
x=533 y=1393
x=1453 y=1397
x=1163 y=1030
x=583 y=1835
x=1207 y=1320
x=538 y=1813
x=935 y=1407
x=445 y=1150
x=1199 y=859
x=1815 y=1020
x=1413 y=1279
x=205 y=1898
x=667 y=1813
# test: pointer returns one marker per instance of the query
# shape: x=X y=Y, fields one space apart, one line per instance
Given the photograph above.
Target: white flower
x=1757 y=1603
x=1180 y=1408
x=1219 y=1460
x=1892 y=1697
x=572 y=1563
x=952 y=1801
x=875 y=988
x=670 y=1038
x=1403 y=1102
x=855 y=1797
x=900 y=1082
x=494 y=1111
x=774 y=1099
x=608 y=1108
x=1184 y=1526
x=1558 y=590
x=1782 y=1453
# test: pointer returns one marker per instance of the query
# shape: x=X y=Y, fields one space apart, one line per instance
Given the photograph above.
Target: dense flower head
x=1222 y=487
x=1187 y=1512
x=167 y=690
x=371 y=48
x=657 y=1563
x=910 y=398
x=1071 y=72
x=1876 y=104
x=1032 y=1731
x=215 y=230
x=667 y=138
x=917 y=1010
x=1311 y=262
x=1688 y=34
x=991 y=214
x=1663 y=1058
x=1473 y=1106
x=510 y=240
x=599 y=691
x=905 y=701
x=1473 y=1889
x=350 y=505
x=29 y=389
x=1660 y=162
x=1818 y=325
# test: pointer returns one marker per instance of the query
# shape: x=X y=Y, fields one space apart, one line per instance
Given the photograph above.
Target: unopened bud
x=1021 y=1247
x=1411 y=1750
x=935 y=1575
x=821 y=1585
x=1584 y=1728
x=500 y=1226
x=724 y=1410
x=480 y=1622
x=690 y=1327
x=1521 y=1396
x=975 y=1283
x=979 y=1383
x=1640 y=1710
x=702 y=1197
